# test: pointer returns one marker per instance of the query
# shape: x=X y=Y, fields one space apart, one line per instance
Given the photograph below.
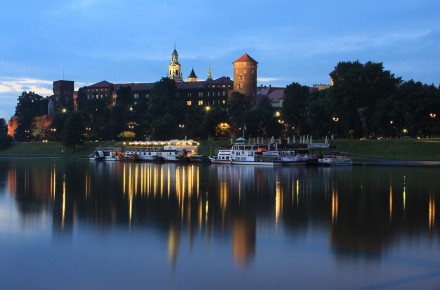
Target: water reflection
x=361 y=211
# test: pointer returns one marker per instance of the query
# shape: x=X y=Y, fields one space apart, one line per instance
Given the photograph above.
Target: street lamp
x=64 y=110
x=182 y=126
x=432 y=115
x=207 y=108
x=336 y=120
x=277 y=113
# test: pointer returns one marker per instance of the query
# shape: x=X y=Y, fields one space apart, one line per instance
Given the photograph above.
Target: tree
x=164 y=100
x=73 y=130
x=5 y=139
x=124 y=96
x=357 y=91
x=236 y=109
x=294 y=110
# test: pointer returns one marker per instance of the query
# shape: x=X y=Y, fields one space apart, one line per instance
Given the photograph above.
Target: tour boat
x=107 y=154
x=223 y=157
x=244 y=154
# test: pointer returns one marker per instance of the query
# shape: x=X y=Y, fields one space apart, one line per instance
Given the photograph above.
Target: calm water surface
x=77 y=224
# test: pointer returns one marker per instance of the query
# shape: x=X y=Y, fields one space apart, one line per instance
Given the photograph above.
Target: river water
x=80 y=224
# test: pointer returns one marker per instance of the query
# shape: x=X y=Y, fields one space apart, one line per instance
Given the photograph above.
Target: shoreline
x=362 y=162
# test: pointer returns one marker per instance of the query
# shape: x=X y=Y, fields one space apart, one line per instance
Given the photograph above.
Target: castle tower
x=245 y=77
x=174 y=68
x=192 y=77
x=209 y=74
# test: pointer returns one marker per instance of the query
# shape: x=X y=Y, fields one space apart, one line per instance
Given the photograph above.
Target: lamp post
x=432 y=115
x=336 y=120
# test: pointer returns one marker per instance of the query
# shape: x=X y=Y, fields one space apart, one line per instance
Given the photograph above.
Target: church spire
x=209 y=74
x=174 y=68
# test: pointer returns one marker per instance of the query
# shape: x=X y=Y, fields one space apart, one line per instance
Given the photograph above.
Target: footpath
x=391 y=162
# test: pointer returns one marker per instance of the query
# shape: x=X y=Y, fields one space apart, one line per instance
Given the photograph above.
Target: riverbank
x=390 y=149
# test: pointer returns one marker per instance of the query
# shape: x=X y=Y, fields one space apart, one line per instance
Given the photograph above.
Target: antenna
x=63 y=73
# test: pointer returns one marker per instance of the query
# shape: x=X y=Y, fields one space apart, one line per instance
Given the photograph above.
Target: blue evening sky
x=131 y=41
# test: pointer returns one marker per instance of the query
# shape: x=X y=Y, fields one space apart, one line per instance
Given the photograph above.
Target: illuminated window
x=224 y=102
x=188 y=103
x=200 y=103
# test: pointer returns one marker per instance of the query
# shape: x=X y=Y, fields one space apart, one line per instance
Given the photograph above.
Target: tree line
x=365 y=101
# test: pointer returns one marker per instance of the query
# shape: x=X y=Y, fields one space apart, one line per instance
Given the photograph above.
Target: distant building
x=63 y=96
x=275 y=95
x=192 y=77
x=245 y=77
x=174 y=68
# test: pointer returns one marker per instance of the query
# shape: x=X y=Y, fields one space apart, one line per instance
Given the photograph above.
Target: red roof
x=245 y=58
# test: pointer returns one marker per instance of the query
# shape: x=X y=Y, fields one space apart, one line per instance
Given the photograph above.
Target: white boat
x=107 y=154
x=244 y=154
x=335 y=161
x=223 y=157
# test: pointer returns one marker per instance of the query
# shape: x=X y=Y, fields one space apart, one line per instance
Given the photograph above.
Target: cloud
x=268 y=79
x=11 y=85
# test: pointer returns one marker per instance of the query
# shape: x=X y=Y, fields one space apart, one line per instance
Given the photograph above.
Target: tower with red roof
x=245 y=77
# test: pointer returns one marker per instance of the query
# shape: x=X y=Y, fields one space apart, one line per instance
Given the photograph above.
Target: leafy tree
x=294 y=110
x=164 y=127
x=5 y=139
x=31 y=101
x=124 y=96
x=236 y=108
x=73 y=130
x=358 y=89
x=164 y=100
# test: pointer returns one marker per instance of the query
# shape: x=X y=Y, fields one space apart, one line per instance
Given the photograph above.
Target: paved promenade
x=390 y=162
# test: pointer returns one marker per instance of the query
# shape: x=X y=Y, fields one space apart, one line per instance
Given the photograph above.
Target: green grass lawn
x=51 y=149
x=402 y=149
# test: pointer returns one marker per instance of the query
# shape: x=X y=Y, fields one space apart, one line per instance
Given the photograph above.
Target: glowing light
x=431 y=212
x=335 y=206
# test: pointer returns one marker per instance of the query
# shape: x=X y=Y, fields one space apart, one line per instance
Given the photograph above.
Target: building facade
x=245 y=77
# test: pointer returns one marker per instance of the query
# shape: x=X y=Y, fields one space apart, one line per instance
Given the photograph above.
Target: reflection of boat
x=107 y=154
x=199 y=158
x=335 y=161
x=223 y=157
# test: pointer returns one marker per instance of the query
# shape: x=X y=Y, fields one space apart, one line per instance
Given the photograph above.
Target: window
x=188 y=103
x=147 y=96
x=189 y=95
x=224 y=102
x=200 y=94
x=224 y=93
x=218 y=94
x=135 y=103
x=208 y=94
x=200 y=103
x=136 y=96
x=115 y=96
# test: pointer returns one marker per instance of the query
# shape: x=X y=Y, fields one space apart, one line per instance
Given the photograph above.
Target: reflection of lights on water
x=391 y=201
x=335 y=205
x=63 y=213
x=404 y=192
x=431 y=212
x=278 y=201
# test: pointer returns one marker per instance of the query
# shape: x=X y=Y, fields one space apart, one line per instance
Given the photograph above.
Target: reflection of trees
x=364 y=210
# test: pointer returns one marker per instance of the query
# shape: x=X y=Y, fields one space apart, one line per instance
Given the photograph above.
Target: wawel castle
x=195 y=92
